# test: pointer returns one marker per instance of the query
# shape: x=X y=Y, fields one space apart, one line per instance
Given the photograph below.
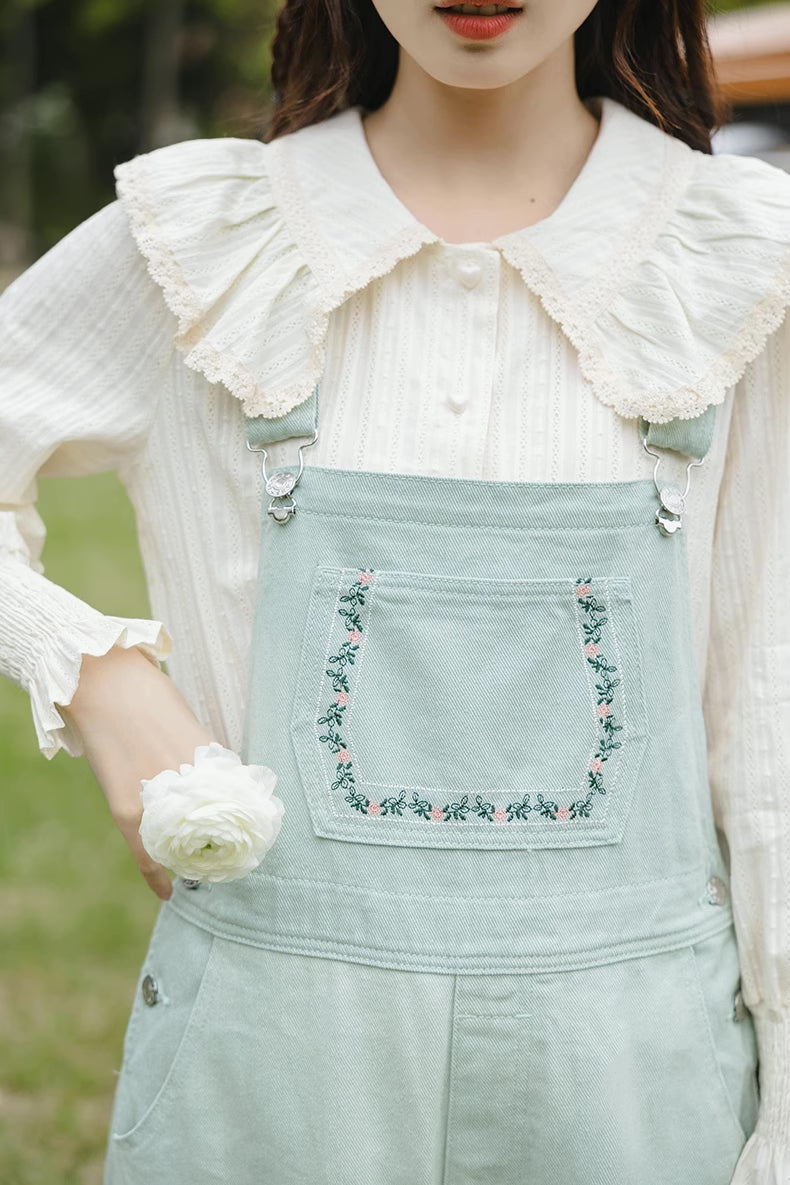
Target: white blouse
x=230 y=275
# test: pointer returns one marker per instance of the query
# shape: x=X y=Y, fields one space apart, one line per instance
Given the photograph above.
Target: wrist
x=101 y=676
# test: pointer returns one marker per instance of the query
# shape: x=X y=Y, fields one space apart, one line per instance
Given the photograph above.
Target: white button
x=469 y=273
x=457 y=402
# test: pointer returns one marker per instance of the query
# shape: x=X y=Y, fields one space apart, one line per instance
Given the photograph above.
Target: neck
x=482 y=162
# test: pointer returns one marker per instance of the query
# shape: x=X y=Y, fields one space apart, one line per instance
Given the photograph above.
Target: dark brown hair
x=650 y=55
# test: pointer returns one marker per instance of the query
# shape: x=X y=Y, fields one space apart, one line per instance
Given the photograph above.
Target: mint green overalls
x=493 y=941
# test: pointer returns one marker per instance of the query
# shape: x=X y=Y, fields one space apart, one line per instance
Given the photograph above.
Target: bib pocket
x=436 y=711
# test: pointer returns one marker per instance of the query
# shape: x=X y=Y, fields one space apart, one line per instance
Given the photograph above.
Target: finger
x=155 y=874
x=158 y=880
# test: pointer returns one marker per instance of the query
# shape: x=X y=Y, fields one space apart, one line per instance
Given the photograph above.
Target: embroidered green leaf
x=595 y=618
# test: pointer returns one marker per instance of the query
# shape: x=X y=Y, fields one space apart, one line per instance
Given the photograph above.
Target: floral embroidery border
x=595 y=618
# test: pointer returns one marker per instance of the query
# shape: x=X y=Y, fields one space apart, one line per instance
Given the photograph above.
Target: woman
x=486 y=268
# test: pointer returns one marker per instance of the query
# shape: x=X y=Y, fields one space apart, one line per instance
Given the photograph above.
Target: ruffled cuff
x=765 y=1159
x=56 y=674
x=763 y=1162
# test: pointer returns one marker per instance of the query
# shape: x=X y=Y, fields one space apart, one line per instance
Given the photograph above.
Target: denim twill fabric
x=493 y=941
x=483 y=770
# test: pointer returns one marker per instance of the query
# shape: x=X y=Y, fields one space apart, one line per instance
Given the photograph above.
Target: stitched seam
x=520 y=529
x=450 y=1087
x=322 y=683
x=623 y=699
x=695 y=871
x=696 y=978
x=303 y=945
x=358 y=680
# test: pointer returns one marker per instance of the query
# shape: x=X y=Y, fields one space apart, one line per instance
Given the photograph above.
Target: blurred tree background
x=87 y=83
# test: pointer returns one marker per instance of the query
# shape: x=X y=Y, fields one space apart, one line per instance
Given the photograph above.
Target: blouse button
x=469 y=273
x=457 y=401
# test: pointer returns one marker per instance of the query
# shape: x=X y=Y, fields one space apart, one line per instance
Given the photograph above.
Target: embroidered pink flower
x=500 y=815
x=563 y=814
x=354 y=636
x=374 y=808
x=582 y=590
x=365 y=577
x=604 y=710
x=592 y=649
x=596 y=765
x=342 y=697
x=344 y=756
x=437 y=814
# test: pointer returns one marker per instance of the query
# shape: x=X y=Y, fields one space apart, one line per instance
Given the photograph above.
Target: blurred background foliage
x=85 y=84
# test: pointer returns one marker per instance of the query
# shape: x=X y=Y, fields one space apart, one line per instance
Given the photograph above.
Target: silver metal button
x=672 y=499
x=739 y=1009
x=280 y=484
x=718 y=894
x=469 y=273
x=150 y=991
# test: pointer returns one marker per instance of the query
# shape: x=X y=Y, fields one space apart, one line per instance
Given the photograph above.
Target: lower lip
x=479 y=28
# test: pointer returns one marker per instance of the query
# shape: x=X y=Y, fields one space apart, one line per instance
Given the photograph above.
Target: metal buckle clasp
x=281 y=485
x=672 y=503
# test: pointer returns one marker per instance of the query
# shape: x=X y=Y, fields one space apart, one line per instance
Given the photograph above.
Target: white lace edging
x=216 y=365
x=163 y=267
x=612 y=388
x=689 y=401
x=611 y=383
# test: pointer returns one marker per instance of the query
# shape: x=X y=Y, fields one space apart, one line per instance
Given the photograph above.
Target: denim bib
x=481 y=702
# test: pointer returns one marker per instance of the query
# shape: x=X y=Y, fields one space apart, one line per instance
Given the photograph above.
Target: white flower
x=211 y=821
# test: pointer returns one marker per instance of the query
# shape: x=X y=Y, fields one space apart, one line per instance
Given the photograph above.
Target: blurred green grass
x=75 y=915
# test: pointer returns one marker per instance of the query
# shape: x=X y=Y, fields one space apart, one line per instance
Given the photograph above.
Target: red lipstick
x=479 y=26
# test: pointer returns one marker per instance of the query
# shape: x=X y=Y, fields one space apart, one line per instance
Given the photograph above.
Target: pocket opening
x=159 y=1036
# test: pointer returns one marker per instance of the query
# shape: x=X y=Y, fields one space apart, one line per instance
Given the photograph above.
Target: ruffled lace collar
x=666 y=268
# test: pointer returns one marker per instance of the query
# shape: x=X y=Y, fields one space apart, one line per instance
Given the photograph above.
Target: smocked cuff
x=57 y=672
x=765 y=1159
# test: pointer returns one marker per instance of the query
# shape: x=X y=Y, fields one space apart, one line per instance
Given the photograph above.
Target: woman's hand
x=134 y=723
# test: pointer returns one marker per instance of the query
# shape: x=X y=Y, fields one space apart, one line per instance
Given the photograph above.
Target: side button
x=718 y=893
x=150 y=991
x=739 y=1009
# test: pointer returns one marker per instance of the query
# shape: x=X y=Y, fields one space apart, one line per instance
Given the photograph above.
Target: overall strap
x=692 y=438
x=262 y=431
x=301 y=420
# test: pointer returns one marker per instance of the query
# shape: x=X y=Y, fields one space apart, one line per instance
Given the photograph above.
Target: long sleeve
x=84 y=347
x=747 y=708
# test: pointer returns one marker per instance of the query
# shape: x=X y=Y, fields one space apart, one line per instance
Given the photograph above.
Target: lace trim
x=611 y=388
x=219 y=366
x=163 y=267
x=658 y=406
